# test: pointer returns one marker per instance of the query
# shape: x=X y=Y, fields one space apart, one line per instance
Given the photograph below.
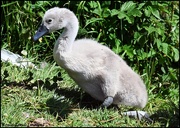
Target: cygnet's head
x=57 y=18
x=54 y=19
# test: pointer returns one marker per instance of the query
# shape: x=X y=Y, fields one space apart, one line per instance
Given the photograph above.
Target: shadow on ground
x=70 y=101
x=66 y=100
x=167 y=117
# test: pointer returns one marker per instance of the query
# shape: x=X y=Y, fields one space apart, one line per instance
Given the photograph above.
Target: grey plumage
x=94 y=67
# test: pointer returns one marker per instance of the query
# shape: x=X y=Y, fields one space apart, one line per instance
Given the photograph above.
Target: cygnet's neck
x=66 y=39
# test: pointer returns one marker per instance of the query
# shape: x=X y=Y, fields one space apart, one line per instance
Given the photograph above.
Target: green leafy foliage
x=141 y=32
x=145 y=34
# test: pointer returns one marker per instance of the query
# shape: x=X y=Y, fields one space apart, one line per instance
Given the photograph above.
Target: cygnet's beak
x=42 y=30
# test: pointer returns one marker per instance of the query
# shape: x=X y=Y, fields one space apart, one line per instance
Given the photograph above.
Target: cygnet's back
x=101 y=73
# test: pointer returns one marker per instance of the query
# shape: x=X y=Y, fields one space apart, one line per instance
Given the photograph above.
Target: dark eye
x=49 y=21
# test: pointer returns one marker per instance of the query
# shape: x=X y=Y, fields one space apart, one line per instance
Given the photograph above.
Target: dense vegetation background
x=145 y=34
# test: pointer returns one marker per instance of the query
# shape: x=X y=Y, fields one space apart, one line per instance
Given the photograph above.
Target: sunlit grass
x=67 y=105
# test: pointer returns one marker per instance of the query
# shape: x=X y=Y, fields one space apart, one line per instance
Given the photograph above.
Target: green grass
x=29 y=94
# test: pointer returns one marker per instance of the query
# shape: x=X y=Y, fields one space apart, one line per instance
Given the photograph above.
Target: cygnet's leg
x=107 y=102
x=108 y=85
